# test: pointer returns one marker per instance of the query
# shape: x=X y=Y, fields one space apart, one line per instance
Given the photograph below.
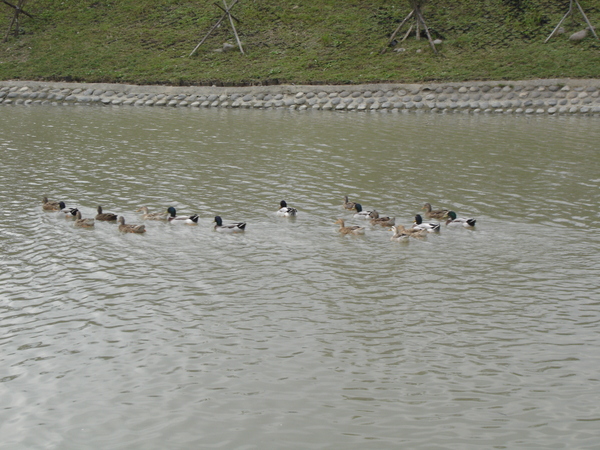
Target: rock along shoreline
x=548 y=96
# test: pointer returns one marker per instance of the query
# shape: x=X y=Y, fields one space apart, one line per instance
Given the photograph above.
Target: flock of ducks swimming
x=401 y=233
x=419 y=228
x=169 y=215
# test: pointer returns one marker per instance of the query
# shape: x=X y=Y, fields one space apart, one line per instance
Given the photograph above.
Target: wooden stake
x=420 y=16
x=15 y=19
x=396 y=32
x=237 y=38
x=407 y=33
x=212 y=29
x=567 y=14
x=586 y=19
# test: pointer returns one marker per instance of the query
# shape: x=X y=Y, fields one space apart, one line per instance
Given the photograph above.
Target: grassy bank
x=303 y=42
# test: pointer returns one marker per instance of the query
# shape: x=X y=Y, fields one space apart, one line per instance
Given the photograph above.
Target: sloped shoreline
x=547 y=96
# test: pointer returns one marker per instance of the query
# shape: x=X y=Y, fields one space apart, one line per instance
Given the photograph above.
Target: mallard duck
x=437 y=214
x=51 y=205
x=187 y=220
x=84 y=223
x=384 y=221
x=465 y=222
x=430 y=227
x=410 y=231
x=360 y=214
x=130 y=228
x=230 y=227
x=348 y=204
x=285 y=211
x=70 y=213
x=147 y=215
x=398 y=235
x=356 y=230
x=107 y=217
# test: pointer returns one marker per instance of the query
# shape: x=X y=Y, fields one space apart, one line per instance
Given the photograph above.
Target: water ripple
x=291 y=333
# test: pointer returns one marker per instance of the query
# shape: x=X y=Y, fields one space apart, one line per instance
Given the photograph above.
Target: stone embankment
x=560 y=96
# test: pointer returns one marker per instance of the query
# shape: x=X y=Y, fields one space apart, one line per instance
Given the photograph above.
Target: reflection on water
x=289 y=335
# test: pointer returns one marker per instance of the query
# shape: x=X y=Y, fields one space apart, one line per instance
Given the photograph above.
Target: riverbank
x=551 y=96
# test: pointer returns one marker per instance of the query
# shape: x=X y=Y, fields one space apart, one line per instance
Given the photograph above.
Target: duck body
x=286 y=211
x=384 y=221
x=399 y=236
x=355 y=230
x=70 y=213
x=107 y=217
x=453 y=220
x=187 y=220
x=348 y=204
x=237 y=227
x=123 y=227
x=434 y=214
x=409 y=231
x=81 y=222
x=51 y=205
x=430 y=227
x=367 y=215
x=147 y=215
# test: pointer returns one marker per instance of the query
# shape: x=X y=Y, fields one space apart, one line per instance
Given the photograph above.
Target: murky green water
x=291 y=336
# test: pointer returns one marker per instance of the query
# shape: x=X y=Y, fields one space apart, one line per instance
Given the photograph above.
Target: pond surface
x=290 y=335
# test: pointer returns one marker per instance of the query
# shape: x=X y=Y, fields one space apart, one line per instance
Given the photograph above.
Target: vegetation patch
x=304 y=42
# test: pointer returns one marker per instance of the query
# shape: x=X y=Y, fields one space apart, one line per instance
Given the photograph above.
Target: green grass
x=302 y=42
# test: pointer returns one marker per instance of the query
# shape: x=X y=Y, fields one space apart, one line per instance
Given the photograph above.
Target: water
x=291 y=336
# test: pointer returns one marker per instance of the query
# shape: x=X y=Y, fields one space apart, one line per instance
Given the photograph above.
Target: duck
x=410 y=231
x=107 y=217
x=355 y=230
x=70 y=213
x=230 y=227
x=348 y=204
x=147 y=215
x=437 y=214
x=286 y=211
x=83 y=223
x=360 y=214
x=174 y=218
x=384 y=221
x=465 y=222
x=399 y=236
x=130 y=228
x=430 y=227
x=52 y=205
